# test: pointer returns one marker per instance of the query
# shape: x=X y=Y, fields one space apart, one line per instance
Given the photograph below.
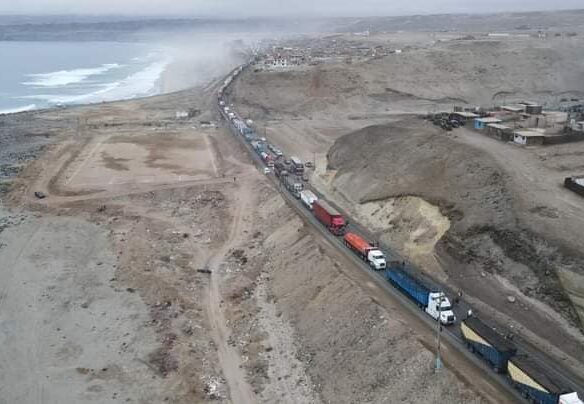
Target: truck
x=485 y=342
x=267 y=159
x=570 y=398
x=297 y=165
x=330 y=217
x=434 y=302
x=535 y=384
x=367 y=252
x=293 y=185
x=280 y=169
x=308 y=198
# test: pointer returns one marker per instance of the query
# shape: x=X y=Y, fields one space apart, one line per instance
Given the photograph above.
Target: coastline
x=179 y=74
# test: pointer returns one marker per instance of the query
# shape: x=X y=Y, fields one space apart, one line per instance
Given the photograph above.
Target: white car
x=267 y=170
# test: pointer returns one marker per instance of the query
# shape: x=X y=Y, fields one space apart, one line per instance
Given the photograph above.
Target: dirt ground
x=490 y=218
x=162 y=267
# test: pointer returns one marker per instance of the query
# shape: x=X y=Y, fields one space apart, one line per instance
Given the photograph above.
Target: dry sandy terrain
x=489 y=218
x=106 y=295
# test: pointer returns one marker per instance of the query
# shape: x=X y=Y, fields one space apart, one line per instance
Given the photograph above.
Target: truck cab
x=439 y=308
x=376 y=259
x=338 y=226
x=297 y=188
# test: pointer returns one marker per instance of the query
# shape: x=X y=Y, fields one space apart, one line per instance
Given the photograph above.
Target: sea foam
x=140 y=84
x=65 y=77
x=18 y=109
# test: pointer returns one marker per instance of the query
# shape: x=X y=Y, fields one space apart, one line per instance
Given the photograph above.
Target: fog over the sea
x=246 y=8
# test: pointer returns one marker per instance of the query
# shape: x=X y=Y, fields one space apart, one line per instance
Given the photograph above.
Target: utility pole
x=439 y=332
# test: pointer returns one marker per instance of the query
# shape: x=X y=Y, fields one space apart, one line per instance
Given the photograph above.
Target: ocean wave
x=140 y=84
x=18 y=109
x=65 y=77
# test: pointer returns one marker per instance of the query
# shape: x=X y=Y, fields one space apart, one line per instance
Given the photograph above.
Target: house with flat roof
x=481 y=123
x=501 y=132
x=528 y=137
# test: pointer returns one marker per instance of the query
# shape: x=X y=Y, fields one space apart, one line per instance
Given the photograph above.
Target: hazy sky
x=244 y=8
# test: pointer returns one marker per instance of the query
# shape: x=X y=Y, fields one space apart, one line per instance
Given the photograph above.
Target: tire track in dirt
x=230 y=361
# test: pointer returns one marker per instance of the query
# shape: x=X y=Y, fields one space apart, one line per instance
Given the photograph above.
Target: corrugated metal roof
x=498 y=126
x=488 y=119
x=466 y=114
x=513 y=108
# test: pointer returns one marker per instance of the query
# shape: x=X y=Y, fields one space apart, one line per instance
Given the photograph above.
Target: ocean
x=36 y=75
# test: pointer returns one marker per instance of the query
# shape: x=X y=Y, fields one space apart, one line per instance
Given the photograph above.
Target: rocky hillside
x=392 y=176
x=476 y=72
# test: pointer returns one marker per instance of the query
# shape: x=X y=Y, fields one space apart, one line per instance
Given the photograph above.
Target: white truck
x=308 y=198
x=366 y=251
x=570 y=398
x=432 y=300
x=439 y=307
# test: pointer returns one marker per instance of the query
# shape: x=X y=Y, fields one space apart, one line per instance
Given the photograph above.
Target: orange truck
x=367 y=252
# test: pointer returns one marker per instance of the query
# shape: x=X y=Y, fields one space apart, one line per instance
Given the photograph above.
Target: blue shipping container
x=415 y=290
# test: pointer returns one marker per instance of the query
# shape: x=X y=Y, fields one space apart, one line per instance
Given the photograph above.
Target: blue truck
x=536 y=384
x=434 y=302
x=487 y=343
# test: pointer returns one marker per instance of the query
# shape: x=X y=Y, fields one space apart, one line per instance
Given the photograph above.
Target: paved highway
x=450 y=334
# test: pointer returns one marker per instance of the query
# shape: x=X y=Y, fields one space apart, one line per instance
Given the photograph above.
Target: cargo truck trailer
x=487 y=343
x=433 y=302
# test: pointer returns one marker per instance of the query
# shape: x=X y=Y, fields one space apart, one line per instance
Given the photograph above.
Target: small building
x=516 y=109
x=464 y=116
x=528 y=137
x=547 y=119
x=534 y=121
x=501 y=132
x=555 y=117
x=575 y=184
x=481 y=123
x=532 y=108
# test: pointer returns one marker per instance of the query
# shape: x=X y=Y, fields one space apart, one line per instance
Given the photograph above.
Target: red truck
x=368 y=253
x=329 y=216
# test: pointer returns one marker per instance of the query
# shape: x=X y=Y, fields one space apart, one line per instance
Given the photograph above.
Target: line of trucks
x=433 y=301
x=525 y=374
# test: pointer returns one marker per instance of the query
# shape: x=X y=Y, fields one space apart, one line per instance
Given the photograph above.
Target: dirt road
x=229 y=358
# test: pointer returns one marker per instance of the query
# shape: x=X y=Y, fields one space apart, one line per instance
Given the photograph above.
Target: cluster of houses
x=326 y=50
x=525 y=123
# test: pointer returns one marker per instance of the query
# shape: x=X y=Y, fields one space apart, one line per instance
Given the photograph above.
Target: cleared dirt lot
x=125 y=160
